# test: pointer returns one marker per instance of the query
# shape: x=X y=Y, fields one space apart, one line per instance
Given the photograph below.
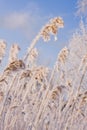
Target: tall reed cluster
x=34 y=97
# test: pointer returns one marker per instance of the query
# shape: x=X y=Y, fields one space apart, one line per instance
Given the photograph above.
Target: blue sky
x=20 y=21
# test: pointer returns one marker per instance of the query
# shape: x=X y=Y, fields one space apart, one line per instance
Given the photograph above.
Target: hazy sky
x=20 y=21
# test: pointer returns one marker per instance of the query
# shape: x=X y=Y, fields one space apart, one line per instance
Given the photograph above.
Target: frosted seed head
x=2 y=48
x=13 y=52
x=51 y=28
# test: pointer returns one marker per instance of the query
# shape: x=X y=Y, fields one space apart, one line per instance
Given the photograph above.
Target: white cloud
x=26 y=21
x=14 y=20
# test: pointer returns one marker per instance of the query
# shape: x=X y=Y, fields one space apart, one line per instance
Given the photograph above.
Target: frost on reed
x=2 y=49
x=34 y=97
x=13 y=53
x=49 y=29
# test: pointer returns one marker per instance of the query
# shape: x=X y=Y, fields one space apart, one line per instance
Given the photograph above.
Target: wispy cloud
x=25 y=21
x=14 y=20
